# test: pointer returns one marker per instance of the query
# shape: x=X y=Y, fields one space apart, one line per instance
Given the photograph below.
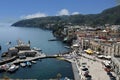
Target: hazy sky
x=19 y=9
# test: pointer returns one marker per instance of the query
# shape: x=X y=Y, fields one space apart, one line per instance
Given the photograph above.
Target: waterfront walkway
x=94 y=65
x=75 y=71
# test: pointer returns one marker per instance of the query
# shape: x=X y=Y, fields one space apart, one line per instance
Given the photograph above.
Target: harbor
x=23 y=56
x=44 y=68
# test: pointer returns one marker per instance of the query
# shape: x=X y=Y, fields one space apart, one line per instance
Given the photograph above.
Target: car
x=112 y=78
x=84 y=69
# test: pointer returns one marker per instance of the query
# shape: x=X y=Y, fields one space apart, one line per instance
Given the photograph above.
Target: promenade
x=75 y=71
x=93 y=64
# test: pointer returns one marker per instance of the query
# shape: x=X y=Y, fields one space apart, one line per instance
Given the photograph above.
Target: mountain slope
x=108 y=16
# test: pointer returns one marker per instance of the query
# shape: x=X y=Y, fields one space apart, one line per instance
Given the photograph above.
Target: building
x=23 y=47
x=116 y=50
x=12 y=51
x=115 y=63
x=28 y=53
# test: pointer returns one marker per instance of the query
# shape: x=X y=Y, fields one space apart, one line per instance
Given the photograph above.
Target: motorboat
x=37 y=49
x=5 y=67
x=13 y=68
x=28 y=63
x=23 y=64
x=67 y=47
x=1 y=69
x=33 y=62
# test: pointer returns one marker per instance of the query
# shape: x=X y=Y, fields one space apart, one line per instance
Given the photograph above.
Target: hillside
x=108 y=16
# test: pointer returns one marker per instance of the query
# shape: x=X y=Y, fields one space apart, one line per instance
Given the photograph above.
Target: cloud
x=63 y=12
x=36 y=15
x=75 y=13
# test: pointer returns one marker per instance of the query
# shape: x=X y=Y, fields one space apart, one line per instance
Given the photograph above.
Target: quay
x=75 y=72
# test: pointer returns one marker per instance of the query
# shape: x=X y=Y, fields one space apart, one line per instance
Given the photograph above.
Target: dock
x=28 y=59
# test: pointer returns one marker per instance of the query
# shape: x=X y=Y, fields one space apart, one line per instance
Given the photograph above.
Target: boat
x=23 y=64
x=13 y=68
x=4 y=54
x=1 y=69
x=28 y=63
x=4 y=67
x=53 y=40
x=67 y=47
x=37 y=49
x=33 y=62
x=66 y=78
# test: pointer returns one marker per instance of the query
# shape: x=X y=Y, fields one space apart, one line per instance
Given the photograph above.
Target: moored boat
x=23 y=64
x=37 y=49
x=13 y=68
x=28 y=63
x=5 y=67
x=67 y=47
x=33 y=62
x=1 y=69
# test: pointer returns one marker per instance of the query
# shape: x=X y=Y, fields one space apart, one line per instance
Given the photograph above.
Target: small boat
x=33 y=62
x=28 y=63
x=53 y=40
x=4 y=54
x=13 y=68
x=5 y=67
x=67 y=47
x=23 y=64
x=65 y=78
x=37 y=49
x=1 y=69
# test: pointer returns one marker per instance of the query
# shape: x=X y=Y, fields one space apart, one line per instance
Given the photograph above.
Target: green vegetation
x=108 y=16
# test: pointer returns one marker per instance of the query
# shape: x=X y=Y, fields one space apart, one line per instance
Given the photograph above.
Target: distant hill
x=108 y=16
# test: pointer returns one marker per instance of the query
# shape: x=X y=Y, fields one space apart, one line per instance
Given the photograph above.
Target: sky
x=11 y=10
